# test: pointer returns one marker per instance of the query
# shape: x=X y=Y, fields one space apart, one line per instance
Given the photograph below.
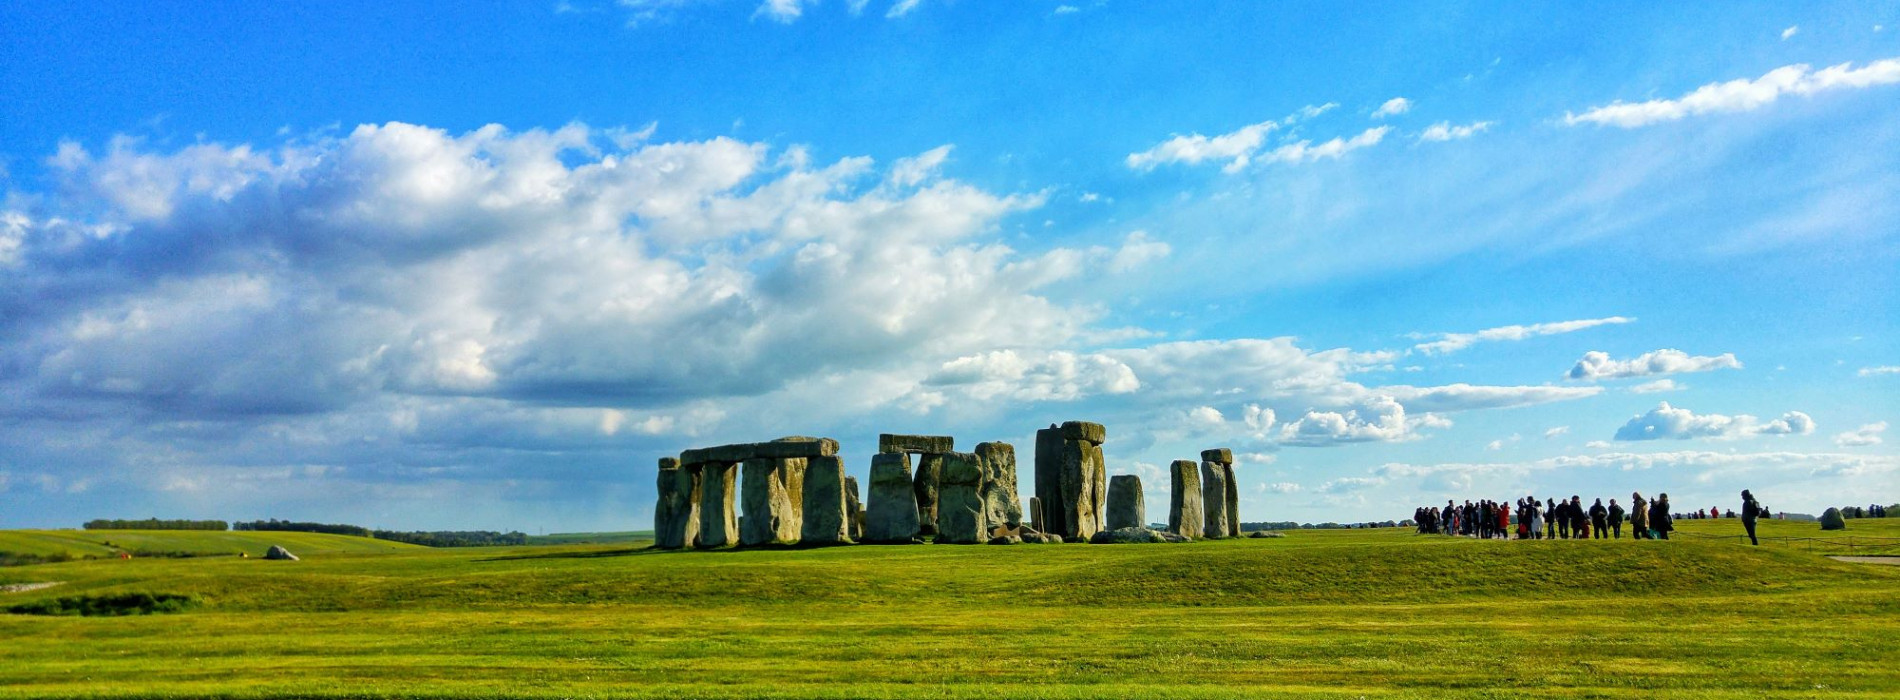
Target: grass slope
x=1316 y=614
x=108 y=543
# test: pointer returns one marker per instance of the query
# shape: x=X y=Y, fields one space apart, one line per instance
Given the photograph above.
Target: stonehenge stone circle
x=853 y=508
x=1225 y=459
x=1125 y=508
x=676 y=516
x=1071 y=478
x=769 y=514
x=924 y=487
x=1214 y=500
x=890 y=514
x=826 y=515
x=1001 y=505
x=1134 y=535
x=718 y=520
x=961 y=515
x=1185 y=513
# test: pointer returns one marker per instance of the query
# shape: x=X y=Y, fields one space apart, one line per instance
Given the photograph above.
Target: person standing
x=1616 y=519
x=1504 y=521
x=1750 y=511
x=1599 y=521
x=1579 y=518
x=1550 y=518
x=1660 y=520
x=1639 y=516
x=1537 y=518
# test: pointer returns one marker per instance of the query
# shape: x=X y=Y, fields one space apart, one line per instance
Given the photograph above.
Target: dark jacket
x=1616 y=514
x=1598 y=513
x=1751 y=510
x=1659 y=519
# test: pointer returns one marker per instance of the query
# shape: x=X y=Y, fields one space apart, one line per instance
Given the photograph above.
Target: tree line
x=437 y=538
x=156 y=524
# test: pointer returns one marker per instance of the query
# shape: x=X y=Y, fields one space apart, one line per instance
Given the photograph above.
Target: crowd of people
x=1528 y=518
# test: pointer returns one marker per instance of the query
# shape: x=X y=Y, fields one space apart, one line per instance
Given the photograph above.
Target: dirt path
x=24 y=587
x=1889 y=561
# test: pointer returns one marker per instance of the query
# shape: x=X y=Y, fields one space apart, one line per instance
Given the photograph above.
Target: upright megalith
x=769 y=517
x=961 y=515
x=924 y=486
x=1184 y=506
x=1035 y=514
x=827 y=511
x=718 y=519
x=1214 y=500
x=676 y=516
x=1831 y=519
x=1125 y=507
x=853 y=509
x=1224 y=458
x=1002 y=507
x=890 y=514
x=1071 y=478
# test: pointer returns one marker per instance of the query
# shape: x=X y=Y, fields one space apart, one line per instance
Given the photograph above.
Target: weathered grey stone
x=791 y=477
x=890 y=514
x=1125 y=507
x=278 y=553
x=1072 y=482
x=1263 y=534
x=1831 y=520
x=1233 y=501
x=1006 y=539
x=733 y=454
x=1084 y=430
x=1185 y=513
x=853 y=508
x=889 y=442
x=827 y=512
x=797 y=447
x=1218 y=454
x=1040 y=538
x=1002 y=506
x=718 y=519
x=676 y=515
x=924 y=486
x=960 y=512
x=1214 y=500
x=768 y=508
x=1035 y=514
x=1135 y=535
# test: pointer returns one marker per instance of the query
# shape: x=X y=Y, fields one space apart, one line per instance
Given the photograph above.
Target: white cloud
x=1305 y=152
x=1863 y=436
x=1347 y=484
x=1235 y=147
x=1596 y=365
x=1556 y=432
x=1137 y=250
x=1451 y=342
x=1445 y=131
x=1742 y=95
x=1378 y=419
x=1499 y=443
x=902 y=7
x=1657 y=387
x=909 y=172
x=1880 y=370
x=1067 y=9
x=1789 y=33
x=1051 y=376
x=1282 y=487
x=1667 y=422
x=1465 y=397
x=1392 y=107
x=782 y=11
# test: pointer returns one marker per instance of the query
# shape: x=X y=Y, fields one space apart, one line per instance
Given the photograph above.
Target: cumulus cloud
x=782 y=11
x=1743 y=94
x=1452 y=342
x=1051 y=376
x=1392 y=107
x=1879 y=370
x=1863 y=436
x=1596 y=365
x=1466 y=397
x=1378 y=419
x=1666 y=422
x=1243 y=146
x=1446 y=131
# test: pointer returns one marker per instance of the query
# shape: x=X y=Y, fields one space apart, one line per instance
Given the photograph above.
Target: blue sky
x=478 y=266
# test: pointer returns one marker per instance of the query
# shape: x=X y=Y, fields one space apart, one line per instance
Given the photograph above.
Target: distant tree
x=156 y=524
x=455 y=538
x=275 y=525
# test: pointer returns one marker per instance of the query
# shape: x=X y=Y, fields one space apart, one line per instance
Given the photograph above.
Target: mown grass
x=1315 y=614
x=109 y=543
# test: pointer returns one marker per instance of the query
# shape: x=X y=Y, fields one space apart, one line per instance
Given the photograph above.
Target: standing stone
x=676 y=515
x=853 y=508
x=1214 y=499
x=826 y=515
x=1035 y=514
x=1831 y=520
x=890 y=514
x=768 y=508
x=960 y=508
x=718 y=520
x=1184 y=508
x=791 y=477
x=1071 y=478
x=1125 y=507
x=1002 y=507
x=1224 y=458
x=927 y=481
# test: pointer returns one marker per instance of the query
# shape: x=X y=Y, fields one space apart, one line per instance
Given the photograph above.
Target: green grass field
x=109 y=543
x=1347 y=614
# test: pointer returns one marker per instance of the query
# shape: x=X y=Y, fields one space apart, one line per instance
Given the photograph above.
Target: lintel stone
x=891 y=442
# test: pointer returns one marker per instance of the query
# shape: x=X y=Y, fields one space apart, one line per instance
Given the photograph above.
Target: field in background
x=1347 y=613
x=109 y=543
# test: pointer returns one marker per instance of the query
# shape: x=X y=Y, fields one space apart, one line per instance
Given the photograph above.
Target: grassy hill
x=109 y=543
x=1380 y=613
